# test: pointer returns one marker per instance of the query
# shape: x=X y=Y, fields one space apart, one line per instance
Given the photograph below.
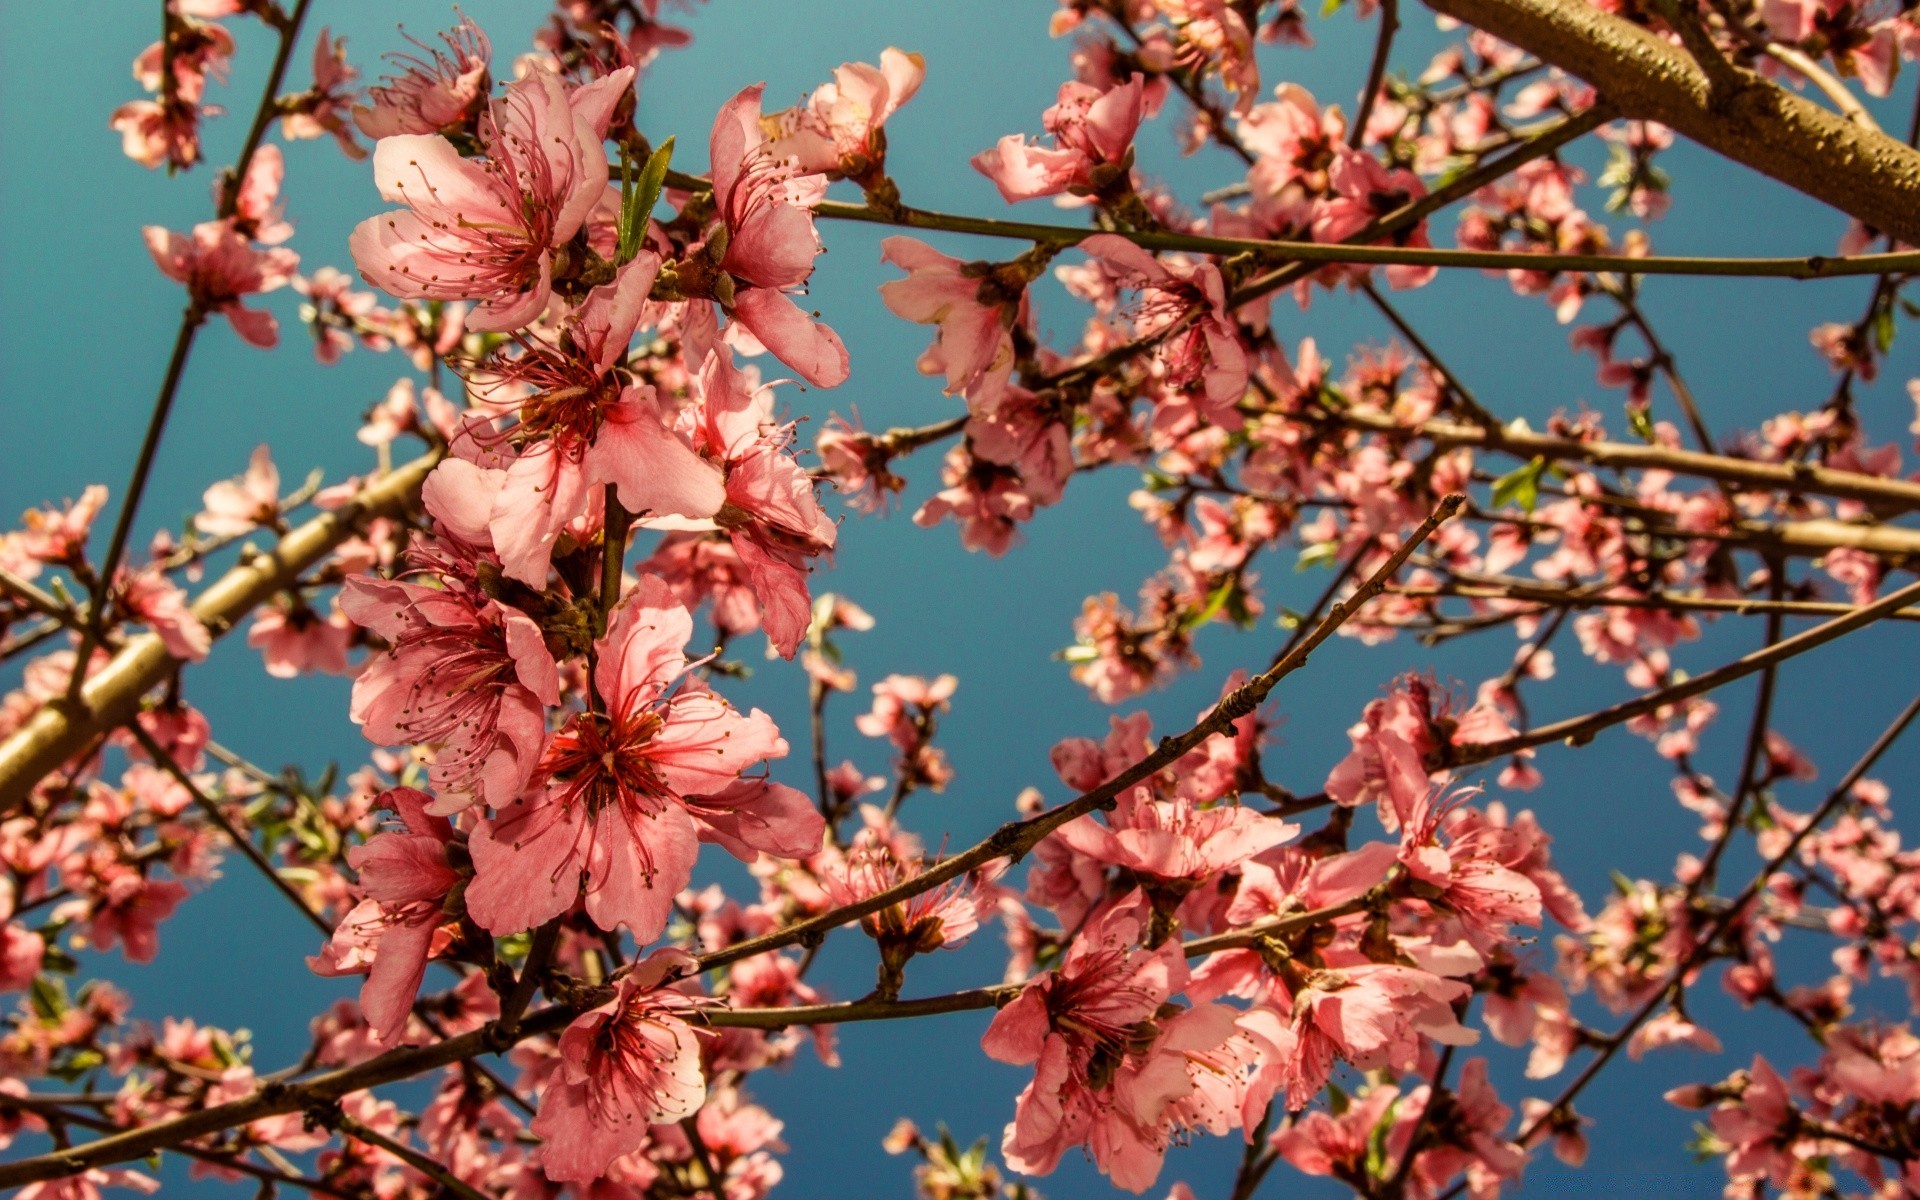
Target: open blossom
x=219 y=266
x=581 y=425
x=463 y=673
x=970 y=302
x=771 y=515
x=770 y=243
x=1370 y=1014
x=629 y=1064
x=150 y=597
x=238 y=506
x=1190 y=299
x=1092 y=152
x=1364 y=190
x=440 y=95
x=322 y=110
x=838 y=129
x=406 y=878
x=1175 y=844
x=294 y=639
x=1462 y=864
x=1109 y=1054
x=487 y=230
x=618 y=797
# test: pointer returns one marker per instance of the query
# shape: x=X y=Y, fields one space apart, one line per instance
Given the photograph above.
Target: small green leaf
x=1321 y=554
x=1640 y=423
x=1883 y=329
x=637 y=198
x=1520 y=486
x=1215 y=602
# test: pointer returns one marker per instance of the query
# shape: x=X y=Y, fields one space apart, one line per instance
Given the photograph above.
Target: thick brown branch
x=112 y=695
x=1863 y=173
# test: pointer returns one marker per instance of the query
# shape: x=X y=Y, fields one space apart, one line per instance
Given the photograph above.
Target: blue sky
x=88 y=321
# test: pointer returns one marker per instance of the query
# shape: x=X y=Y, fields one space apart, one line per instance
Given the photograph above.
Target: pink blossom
x=611 y=801
x=771 y=514
x=322 y=110
x=486 y=230
x=148 y=596
x=1175 y=843
x=1363 y=191
x=294 y=639
x=1189 y=302
x=1370 y=1014
x=628 y=1064
x=968 y=301
x=1090 y=1030
x=462 y=672
x=443 y=95
x=234 y=507
x=838 y=129
x=1461 y=863
x=218 y=267
x=406 y=878
x=770 y=242
x=1093 y=146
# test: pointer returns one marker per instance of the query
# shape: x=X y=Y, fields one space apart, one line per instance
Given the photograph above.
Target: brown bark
x=1859 y=171
x=112 y=695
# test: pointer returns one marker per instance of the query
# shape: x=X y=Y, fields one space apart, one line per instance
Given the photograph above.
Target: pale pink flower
x=148 y=596
x=1363 y=191
x=584 y=426
x=323 y=109
x=838 y=129
x=1760 y=1128
x=1369 y=1014
x=968 y=301
x=443 y=95
x=1461 y=864
x=629 y=1064
x=486 y=230
x=406 y=878
x=1090 y=1029
x=611 y=804
x=770 y=242
x=1175 y=843
x=463 y=673
x=1093 y=145
x=219 y=266
x=238 y=506
x=771 y=514
x=295 y=639
x=1203 y=349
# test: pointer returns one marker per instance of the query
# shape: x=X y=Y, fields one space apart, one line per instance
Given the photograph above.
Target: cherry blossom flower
x=219 y=267
x=1079 y=1026
x=971 y=303
x=838 y=129
x=611 y=803
x=390 y=935
x=462 y=672
x=628 y=1064
x=769 y=242
x=1093 y=146
x=487 y=231
x=441 y=95
x=234 y=507
x=1188 y=302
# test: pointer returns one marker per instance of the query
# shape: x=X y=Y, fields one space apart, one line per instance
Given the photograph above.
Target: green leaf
x=1640 y=423
x=637 y=198
x=1330 y=7
x=1321 y=554
x=1520 y=486
x=1883 y=329
x=1215 y=602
